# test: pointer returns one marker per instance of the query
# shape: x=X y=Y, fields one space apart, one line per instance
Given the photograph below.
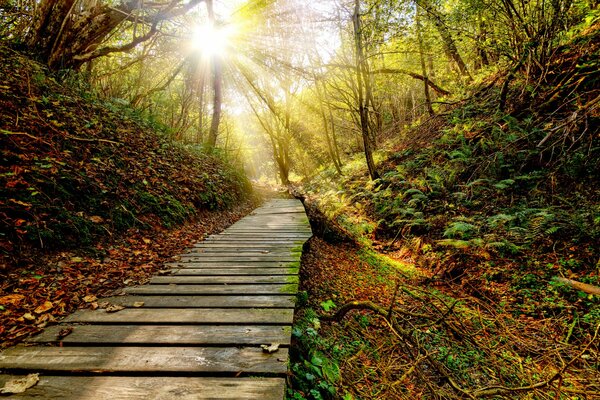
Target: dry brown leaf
x=138 y=304
x=114 y=308
x=20 y=385
x=13 y=299
x=44 y=307
x=65 y=332
x=29 y=316
x=90 y=298
x=272 y=348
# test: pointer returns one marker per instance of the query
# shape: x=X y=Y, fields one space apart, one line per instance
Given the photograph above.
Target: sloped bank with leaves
x=457 y=288
x=93 y=195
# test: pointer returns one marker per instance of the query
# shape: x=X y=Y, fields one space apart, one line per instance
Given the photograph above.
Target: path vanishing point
x=194 y=333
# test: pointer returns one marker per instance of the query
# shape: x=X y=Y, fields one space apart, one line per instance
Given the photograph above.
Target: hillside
x=93 y=195
x=476 y=253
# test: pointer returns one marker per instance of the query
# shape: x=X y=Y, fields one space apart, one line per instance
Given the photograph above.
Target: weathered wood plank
x=246 y=228
x=205 y=316
x=243 y=251
x=167 y=335
x=266 y=235
x=145 y=359
x=233 y=264
x=232 y=258
x=234 y=271
x=223 y=280
x=212 y=289
x=257 y=301
x=145 y=388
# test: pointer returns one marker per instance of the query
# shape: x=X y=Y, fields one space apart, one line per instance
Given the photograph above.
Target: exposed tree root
x=397 y=325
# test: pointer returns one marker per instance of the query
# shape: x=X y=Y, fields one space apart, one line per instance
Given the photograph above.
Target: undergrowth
x=490 y=209
x=76 y=168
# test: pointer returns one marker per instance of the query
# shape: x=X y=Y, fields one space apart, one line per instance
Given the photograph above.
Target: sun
x=212 y=40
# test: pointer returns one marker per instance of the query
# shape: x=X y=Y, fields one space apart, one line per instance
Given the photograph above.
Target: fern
x=460 y=230
x=504 y=184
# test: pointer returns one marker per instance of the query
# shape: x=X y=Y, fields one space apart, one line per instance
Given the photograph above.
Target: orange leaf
x=44 y=307
x=13 y=299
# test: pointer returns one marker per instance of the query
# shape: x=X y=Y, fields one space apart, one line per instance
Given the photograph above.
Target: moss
x=290 y=288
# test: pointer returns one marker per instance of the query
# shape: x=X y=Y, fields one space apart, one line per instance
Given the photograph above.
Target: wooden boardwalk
x=195 y=333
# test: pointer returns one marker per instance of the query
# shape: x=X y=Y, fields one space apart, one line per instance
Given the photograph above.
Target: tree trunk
x=68 y=33
x=217 y=70
x=447 y=40
x=422 y=59
x=217 y=101
x=328 y=139
x=362 y=84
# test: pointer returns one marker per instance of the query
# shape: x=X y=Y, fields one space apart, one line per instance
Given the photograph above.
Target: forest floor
x=438 y=340
x=470 y=268
x=94 y=195
x=48 y=287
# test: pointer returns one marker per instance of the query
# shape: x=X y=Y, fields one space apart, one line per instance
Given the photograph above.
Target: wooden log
x=274 y=316
x=166 y=335
x=145 y=359
x=145 y=388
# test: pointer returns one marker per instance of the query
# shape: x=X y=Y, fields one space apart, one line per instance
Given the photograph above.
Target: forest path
x=194 y=333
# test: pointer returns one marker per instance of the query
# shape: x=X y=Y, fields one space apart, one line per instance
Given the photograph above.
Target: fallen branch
x=498 y=390
x=584 y=287
x=91 y=139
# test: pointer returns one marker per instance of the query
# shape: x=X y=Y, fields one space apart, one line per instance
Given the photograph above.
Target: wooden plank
x=223 y=280
x=233 y=264
x=245 y=245
x=151 y=388
x=257 y=301
x=186 y=316
x=212 y=289
x=145 y=359
x=234 y=271
x=232 y=258
x=257 y=259
x=250 y=240
x=250 y=228
x=240 y=250
x=167 y=335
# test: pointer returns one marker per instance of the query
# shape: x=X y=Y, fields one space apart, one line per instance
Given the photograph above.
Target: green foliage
x=460 y=230
x=95 y=167
x=315 y=369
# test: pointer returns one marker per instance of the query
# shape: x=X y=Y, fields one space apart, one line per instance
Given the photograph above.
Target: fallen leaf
x=96 y=219
x=272 y=348
x=114 y=308
x=64 y=332
x=90 y=298
x=44 y=307
x=28 y=316
x=20 y=385
x=146 y=240
x=76 y=259
x=138 y=304
x=13 y=299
